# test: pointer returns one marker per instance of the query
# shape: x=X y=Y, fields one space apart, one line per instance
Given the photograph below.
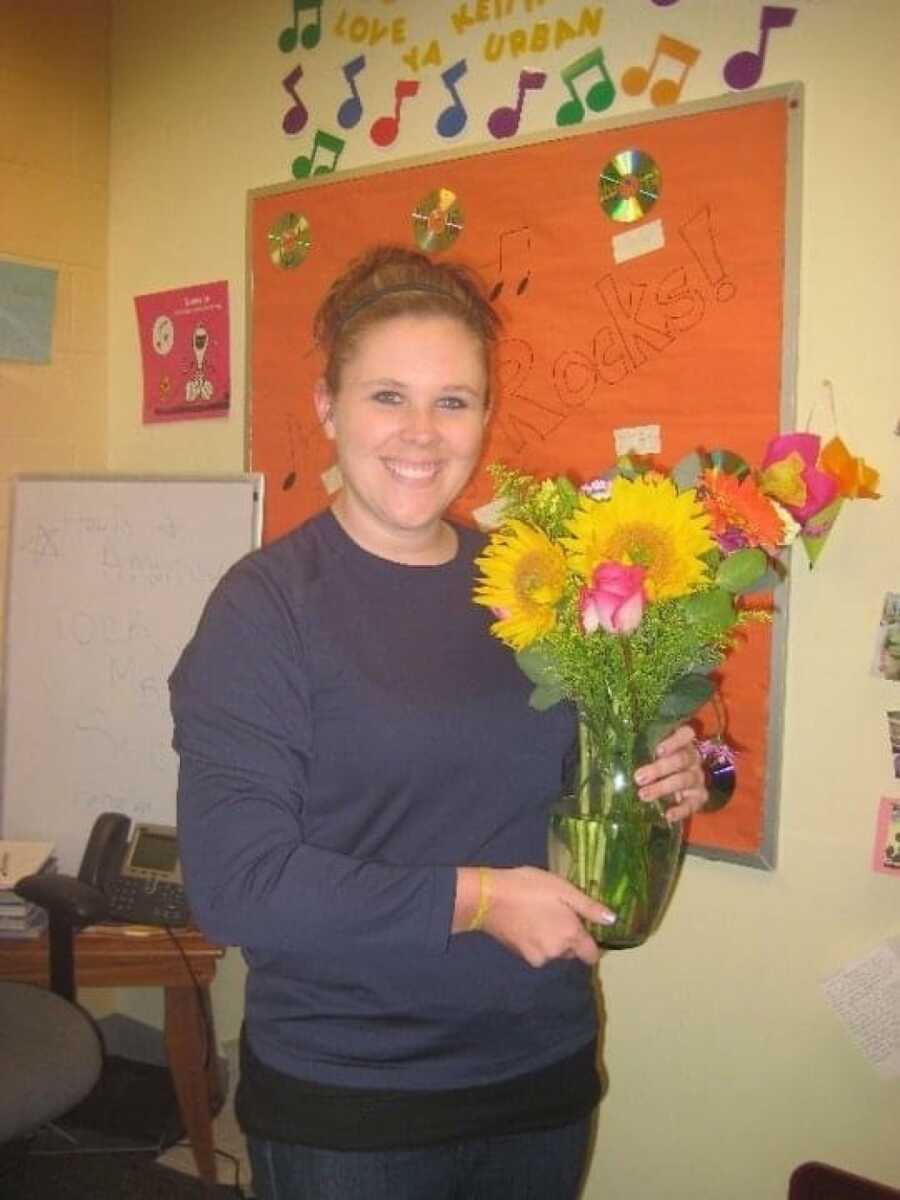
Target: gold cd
x=437 y=220
x=629 y=185
x=289 y=240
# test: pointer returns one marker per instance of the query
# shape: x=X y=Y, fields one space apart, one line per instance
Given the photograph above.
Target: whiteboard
x=106 y=580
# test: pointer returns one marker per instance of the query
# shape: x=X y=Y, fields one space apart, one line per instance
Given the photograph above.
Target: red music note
x=666 y=90
x=296 y=116
x=303 y=166
x=309 y=38
x=503 y=122
x=351 y=111
x=745 y=68
x=384 y=131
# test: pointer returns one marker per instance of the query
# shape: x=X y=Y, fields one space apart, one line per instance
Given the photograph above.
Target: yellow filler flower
x=523 y=576
x=645 y=523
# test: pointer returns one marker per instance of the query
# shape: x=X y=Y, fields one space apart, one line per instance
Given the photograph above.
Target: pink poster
x=185 y=352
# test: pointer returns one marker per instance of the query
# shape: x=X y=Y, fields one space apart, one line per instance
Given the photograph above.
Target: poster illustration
x=185 y=352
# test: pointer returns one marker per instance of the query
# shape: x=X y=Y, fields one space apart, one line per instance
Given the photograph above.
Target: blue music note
x=454 y=117
x=351 y=111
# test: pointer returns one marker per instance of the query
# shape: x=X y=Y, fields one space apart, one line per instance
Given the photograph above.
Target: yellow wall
x=54 y=200
x=727 y=1067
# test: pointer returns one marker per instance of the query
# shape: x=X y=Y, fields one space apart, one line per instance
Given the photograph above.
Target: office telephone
x=140 y=875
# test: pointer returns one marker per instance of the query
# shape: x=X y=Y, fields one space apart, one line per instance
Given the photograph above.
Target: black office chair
x=818 y=1181
x=51 y=1050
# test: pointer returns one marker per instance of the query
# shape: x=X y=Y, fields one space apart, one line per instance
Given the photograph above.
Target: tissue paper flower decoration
x=791 y=476
x=855 y=479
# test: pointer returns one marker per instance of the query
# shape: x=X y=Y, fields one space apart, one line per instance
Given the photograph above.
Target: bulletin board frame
x=710 y=360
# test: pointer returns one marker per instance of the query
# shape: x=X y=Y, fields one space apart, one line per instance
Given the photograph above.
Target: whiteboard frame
x=254 y=480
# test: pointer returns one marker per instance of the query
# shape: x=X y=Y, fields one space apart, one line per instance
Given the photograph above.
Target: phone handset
x=105 y=850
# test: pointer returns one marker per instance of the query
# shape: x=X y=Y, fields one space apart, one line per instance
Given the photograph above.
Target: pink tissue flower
x=614 y=599
x=790 y=475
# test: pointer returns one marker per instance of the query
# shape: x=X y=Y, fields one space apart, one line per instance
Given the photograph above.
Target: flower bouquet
x=623 y=596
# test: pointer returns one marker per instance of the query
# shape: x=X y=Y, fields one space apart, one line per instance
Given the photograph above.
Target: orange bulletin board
x=681 y=318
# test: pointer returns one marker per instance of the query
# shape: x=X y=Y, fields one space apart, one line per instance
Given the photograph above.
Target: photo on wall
x=886 y=660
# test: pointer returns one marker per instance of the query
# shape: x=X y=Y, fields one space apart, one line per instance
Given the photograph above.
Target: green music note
x=599 y=96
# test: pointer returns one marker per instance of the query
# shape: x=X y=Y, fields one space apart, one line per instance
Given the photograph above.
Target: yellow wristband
x=484 y=899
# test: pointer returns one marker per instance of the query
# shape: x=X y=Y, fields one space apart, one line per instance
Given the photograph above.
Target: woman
x=363 y=800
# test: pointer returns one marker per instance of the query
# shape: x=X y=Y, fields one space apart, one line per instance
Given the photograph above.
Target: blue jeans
x=547 y=1165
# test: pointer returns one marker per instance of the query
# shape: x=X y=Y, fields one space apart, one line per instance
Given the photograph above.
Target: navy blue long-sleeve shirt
x=349 y=733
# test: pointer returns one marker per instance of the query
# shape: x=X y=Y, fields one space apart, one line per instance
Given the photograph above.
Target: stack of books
x=18 y=918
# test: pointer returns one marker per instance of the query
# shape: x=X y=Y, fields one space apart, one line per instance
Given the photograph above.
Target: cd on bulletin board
x=437 y=221
x=629 y=185
x=289 y=240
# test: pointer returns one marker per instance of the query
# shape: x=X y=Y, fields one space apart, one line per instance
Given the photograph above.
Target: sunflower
x=741 y=515
x=645 y=523
x=523 y=577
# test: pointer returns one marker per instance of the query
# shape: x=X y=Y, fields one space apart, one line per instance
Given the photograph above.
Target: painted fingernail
x=608 y=918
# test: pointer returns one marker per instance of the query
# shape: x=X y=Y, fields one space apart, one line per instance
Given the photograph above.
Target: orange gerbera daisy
x=739 y=512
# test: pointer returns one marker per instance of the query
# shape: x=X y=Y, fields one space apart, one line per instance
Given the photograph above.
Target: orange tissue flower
x=856 y=480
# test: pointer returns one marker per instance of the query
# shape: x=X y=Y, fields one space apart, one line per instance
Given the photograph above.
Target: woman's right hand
x=537 y=915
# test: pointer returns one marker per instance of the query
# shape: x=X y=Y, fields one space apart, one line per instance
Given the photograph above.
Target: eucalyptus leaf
x=538 y=666
x=713 y=607
x=687 y=695
x=545 y=696
x=730 y=463
x=741 y=570
x=686 y=471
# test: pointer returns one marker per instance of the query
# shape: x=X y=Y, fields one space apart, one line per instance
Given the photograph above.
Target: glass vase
x=612 y=845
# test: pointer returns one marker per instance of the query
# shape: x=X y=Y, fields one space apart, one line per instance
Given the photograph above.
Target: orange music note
x=599 y=96
x=303 y=167
x=668 y=89
x=309 y=37
x=294 y=120
x=384 y=131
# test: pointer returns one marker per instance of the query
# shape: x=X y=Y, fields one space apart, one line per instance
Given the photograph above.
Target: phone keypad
x=134 y=901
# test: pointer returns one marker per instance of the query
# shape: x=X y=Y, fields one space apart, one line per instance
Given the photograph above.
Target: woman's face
x=407 y=423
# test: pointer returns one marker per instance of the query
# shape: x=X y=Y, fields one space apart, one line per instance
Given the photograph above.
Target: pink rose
x=614 y=599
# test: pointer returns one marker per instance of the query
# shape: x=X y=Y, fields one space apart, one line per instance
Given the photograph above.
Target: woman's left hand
x=677 y=770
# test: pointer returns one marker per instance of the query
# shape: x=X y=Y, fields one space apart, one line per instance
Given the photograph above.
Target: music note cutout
x=294 y=120
x=384 y=131
x=453 y=118
x=745 y=68
x=599 y=96
x=667 y=89
x=504 y=121
x=311 y=32
x=351 y=111
x=303 y=166
x=521 y=252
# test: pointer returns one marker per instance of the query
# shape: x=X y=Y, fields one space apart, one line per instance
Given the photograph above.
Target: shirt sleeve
x=243 y=732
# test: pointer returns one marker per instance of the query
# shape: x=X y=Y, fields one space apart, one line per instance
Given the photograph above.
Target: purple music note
x=453 y=119
x=504 y=121
x=351 y=111
x=744 y=69
x=294 y=120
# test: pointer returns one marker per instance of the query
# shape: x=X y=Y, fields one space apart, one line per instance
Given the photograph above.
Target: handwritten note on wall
x=865 y=994
x=27 y=306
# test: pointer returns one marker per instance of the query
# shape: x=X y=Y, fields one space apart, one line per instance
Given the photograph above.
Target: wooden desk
x=137 y=956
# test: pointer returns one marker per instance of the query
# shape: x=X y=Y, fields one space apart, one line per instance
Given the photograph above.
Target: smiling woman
x=363 y=800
